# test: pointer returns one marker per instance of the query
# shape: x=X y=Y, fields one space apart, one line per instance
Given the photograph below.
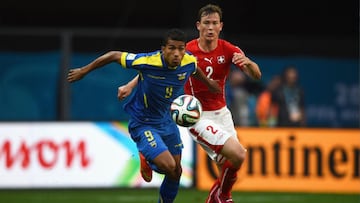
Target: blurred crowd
x=278 y=102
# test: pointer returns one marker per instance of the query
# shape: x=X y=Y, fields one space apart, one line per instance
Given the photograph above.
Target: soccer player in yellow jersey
x=162 y=75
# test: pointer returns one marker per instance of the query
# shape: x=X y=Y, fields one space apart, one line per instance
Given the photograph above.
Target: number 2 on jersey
x=209 y=70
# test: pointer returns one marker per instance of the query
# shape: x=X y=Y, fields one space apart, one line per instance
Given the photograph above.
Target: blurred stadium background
x=62 y=143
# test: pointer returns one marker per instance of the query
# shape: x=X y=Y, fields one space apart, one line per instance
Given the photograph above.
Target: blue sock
x=168 y=190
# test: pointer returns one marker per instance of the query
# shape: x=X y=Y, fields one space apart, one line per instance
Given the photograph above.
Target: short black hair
x=174 y=34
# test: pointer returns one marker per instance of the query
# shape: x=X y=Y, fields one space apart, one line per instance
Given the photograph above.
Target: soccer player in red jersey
x=215 y=131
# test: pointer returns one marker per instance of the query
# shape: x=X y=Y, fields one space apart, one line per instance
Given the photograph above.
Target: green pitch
x=150 y=196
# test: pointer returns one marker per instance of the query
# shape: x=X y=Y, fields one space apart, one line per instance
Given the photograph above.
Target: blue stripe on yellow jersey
x=158 y=85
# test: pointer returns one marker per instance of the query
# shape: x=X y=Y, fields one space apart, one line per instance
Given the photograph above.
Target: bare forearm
x=201 y=76
x=78 y=73
x=249 y=67
x=133 y=82
x=252 y=70
x=125 y=90
x=102 y=61
x=211 y=84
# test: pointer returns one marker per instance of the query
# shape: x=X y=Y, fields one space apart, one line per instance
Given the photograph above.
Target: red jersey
x=216 y=65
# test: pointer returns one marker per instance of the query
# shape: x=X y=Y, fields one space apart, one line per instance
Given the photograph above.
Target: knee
x=234 y=152
x=239 y=157
x=171 y=169
x=242 y=155
x=167 y=166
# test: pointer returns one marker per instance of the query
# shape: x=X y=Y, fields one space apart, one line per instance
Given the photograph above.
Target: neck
x=207 y=45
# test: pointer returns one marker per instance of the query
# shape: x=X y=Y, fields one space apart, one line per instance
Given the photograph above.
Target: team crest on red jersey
x=221 y=59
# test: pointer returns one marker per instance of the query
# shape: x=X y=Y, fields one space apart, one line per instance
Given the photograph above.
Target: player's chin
x=175 y=63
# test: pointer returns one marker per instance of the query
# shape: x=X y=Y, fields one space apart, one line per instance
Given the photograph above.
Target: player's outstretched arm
x=125 y=90
x=211 y=84
x=78 y=73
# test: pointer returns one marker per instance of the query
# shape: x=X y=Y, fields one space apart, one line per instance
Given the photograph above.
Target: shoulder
x=134 y=56
x=188 y=58
x=225 y=43
x=150 y=58
x=229 y=46
x=154 y=54
x=191 y=45
x=191 y=42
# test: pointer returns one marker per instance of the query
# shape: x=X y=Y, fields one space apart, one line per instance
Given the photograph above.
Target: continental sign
x=298 y=160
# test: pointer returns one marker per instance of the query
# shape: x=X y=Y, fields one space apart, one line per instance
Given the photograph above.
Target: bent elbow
x=258 y=75
x=114 y=55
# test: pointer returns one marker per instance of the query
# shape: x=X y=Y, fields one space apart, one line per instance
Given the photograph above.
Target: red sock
x=228 y=178
x=213 y=191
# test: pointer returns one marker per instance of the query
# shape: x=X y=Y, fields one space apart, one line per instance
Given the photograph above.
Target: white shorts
x=212 y=131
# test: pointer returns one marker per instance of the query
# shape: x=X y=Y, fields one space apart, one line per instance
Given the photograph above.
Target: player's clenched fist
x=124 y=91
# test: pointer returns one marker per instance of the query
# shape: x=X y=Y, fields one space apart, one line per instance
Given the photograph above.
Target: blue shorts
x=152 y=140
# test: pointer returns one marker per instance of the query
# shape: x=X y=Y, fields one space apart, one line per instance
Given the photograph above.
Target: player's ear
x=197 y=24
